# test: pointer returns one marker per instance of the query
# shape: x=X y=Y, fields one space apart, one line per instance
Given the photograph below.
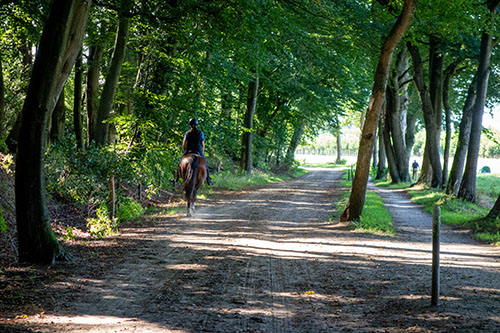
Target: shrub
x=128 y=210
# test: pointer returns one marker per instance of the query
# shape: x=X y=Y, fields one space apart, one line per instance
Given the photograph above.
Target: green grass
x=458 y=212
x=488 y=185
x=375 y=217
x=236 y=181
x=324 y=165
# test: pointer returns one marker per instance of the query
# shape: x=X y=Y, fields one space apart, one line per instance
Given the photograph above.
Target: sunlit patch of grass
x=374 y=218
x=488 y=185
x=324 y=165
x=236 y=181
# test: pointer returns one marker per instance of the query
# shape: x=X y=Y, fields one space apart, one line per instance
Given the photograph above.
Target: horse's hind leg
x=188 y=210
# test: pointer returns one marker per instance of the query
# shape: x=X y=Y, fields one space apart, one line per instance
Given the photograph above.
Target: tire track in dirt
x=271 y=261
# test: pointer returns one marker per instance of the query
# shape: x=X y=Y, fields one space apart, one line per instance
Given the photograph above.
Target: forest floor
x=263 y=260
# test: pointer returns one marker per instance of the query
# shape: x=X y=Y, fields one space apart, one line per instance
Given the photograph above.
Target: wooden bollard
x=112 y=197
x=436 y=222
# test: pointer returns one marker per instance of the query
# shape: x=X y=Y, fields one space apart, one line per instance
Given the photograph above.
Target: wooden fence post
x=436 y=221
x=112 y=197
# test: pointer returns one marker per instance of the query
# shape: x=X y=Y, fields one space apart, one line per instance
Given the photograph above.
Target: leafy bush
x=128 y=210
x=102 y=225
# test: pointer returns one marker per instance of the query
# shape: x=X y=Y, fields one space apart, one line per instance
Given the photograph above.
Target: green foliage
x=102 y=225
x=70 y=233
x=128 y=210
x=3 y=224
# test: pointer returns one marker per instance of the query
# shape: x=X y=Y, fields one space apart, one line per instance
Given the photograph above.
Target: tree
x=456 y=172
x=59 y=46
x=358 y=194
x=467 y=189
x=246 y=139
x=430 y=99
x=109 y=89
x=77 y=103
x=396 y=122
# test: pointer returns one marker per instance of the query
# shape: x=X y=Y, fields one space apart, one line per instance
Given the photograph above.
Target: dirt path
x=271 y=261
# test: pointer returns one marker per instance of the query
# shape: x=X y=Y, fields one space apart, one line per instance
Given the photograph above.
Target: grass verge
x=236 y=181
x=458 y=212
x=375 y=218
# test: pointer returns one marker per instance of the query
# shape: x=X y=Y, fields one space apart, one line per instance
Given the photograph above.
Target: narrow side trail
x=270 y=260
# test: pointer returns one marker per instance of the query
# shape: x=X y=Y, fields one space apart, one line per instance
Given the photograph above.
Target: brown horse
x=193 y=171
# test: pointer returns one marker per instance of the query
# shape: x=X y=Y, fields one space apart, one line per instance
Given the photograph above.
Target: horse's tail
x=190 y=181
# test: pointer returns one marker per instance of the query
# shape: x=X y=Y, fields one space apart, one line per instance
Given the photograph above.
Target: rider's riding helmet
x=193 y=122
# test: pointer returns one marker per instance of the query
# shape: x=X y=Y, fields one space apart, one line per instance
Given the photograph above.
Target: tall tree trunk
x=457 y=166
x=57 y=122
x=339 y=148
x=358 y=194
x=468 y=186
x=389 y=149
x=448 y=74
x=59 y=46
x=432 y=116
x=77 y=103
x=246 y=140
x=294 y=142
x=381 y=150
x=375 y=153
x=92 y=88
x=2 y=103
x=111 y=82
x=397 y=108
x=411 y=121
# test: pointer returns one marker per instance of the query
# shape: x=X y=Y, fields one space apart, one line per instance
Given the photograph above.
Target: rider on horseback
x=194 y=142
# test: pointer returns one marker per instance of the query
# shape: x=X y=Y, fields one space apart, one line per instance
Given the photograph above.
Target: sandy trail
x=271 y=261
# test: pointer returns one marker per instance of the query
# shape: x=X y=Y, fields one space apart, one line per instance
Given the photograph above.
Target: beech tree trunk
x=389 y=149
x=246 y=139
x=358 y=194
x=396 y=120
x=92 y=88
x=448 y=74
x=431 y=109
x=457 y=166
x=339 y=148
x=77 y=103
x=381 y=151
x=57 y=121
x=467 y=189
x=294 y=142
x=111 y=82
x=59 y=46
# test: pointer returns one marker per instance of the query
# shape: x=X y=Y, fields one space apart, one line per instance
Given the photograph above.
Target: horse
x=192 y=169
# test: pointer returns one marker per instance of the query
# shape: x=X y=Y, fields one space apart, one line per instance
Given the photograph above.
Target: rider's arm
x=203 y=147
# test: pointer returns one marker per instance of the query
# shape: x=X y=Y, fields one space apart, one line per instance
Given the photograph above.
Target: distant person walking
x=414 y=167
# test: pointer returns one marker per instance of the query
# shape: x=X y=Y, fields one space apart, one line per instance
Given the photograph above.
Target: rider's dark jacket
x=194 y=138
